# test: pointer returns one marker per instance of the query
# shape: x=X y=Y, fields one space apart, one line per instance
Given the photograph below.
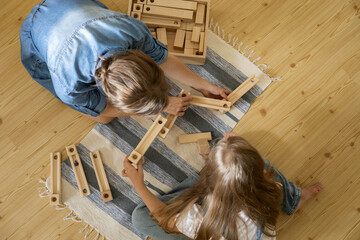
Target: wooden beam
x=195 y=36
x=161 y=35
x=174 y=4
x=168 y=12
x=179 y=38
x=242 y=89
x=210 y=103
x=55 y=178
x=78 y=170
x=146 y=141
x=200 y=14
x=189 y=138
x=101 y=176
x=201 y=44
x=160 y=21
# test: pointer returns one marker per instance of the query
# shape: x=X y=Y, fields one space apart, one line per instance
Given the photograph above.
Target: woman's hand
x=177 y=105
x=136 y=175
x=216 y=92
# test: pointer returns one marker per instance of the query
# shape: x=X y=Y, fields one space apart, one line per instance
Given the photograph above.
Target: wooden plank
x=76 y=164
x=146 y=141
x=189 y=138
x=55 y=178
x=138 y=7
x=200 y=14
x=160 y=21
x=189 y=46
x=210 y=103
x=174 y=4
x=179 y=38
x=195 y=36
x=201 y=43
x=161 y=35
x=171 y=118
x=101 y=176
x=168 y=12
x=136 y=15
x=242 y=89
x=204 y=147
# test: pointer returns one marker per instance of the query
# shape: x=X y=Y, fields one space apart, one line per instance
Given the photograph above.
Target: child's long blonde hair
x=232 y=180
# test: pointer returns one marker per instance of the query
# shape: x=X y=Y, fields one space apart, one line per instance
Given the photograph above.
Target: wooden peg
x=101 y=176
x=242 y=89
x=78 y=170
x=138 y=8
x=161 y=35
x=195 y=36
x=146 y=141
x=189 y=138
x=210 y=103
x=55 y=178
x=136 y=15
x=179 y=38
x=171 y=118
x=189 y=5
x=168 y=12
x=204 y=147
x=200 y=14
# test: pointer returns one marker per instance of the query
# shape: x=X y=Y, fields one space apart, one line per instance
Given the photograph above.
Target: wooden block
x=189 y=138
x=204 y=147
x=140 y=1
x=168 y=12
x=201 y=43
x=138 y=7
x=136 y=15
x=55 y=178
x=200 y=14
x=210 y=103
x=179 y=38
x=161 y=35
x=183 y=25
x=188 y=43
x=101 y=176
x=242 y=89
x=171 y=118
x=190 y=26
x=195 y=36
x=174 y=4
x=78 y=170
x=160 y=21
x=146 y=141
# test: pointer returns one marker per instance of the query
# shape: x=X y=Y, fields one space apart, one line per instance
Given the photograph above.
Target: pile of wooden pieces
x=180 y=25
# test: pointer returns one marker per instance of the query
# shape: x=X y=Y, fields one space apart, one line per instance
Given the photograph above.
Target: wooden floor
x=308 y=125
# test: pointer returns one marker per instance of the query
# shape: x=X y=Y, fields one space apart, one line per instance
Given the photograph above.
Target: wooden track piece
x=189 y=138
x=160 y=21
x=195 y=36
x=204 y=147
x=174 y=4
x=200 y=14
x=161 y=35
x=210 y=103
x=146 y=141
x=55 y=178
x=138 y=7
x=242 y=89
x=179 y=38
x=136 y=15
x=201 y=44
x=101 y=176
x=170 y=119
x=78 y=170
x=168 y=12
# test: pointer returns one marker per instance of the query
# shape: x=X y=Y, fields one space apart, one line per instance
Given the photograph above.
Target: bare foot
x=308 y=193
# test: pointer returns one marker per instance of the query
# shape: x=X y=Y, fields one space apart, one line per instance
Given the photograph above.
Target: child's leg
x=291 y=193
x=143 y=222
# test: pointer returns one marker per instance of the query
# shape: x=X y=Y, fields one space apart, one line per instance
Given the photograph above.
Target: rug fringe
x=246 y=51
x=45 y=192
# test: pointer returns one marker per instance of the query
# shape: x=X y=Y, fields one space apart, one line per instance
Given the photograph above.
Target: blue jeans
x=143 y=222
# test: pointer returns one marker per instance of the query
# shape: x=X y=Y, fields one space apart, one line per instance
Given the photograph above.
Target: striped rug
x=167 y=163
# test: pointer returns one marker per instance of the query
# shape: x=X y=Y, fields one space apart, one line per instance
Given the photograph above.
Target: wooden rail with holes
x=174 y=4
x=78 y=170
x=242 y=89
x=146 y=141
x=168 y=12
x=101 y=176
x=55 y=178
x=210 y=103
x=170 y=119
x=189 y=138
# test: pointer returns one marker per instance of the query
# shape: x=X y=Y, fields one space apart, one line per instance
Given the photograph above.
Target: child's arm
x=152 y=202
x=177 y=70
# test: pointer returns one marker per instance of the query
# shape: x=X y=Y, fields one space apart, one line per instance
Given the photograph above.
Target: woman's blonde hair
x=134 y=83
x=232 y=180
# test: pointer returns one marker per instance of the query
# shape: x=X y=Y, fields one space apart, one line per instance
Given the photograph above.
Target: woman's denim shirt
x=69 y=36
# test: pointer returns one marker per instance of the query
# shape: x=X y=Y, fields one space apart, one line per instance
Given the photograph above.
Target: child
x=103 y=63
x=238 y=195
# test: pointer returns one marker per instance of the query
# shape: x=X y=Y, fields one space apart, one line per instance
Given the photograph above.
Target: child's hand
x=230 y=134
x=215 y=92
x=177 y=105
x=136 y=175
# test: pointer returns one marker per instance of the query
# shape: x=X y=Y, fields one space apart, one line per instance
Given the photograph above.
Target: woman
x=103 y=63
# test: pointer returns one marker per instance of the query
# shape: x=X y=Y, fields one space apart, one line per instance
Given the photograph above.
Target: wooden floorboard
x=308 y=125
